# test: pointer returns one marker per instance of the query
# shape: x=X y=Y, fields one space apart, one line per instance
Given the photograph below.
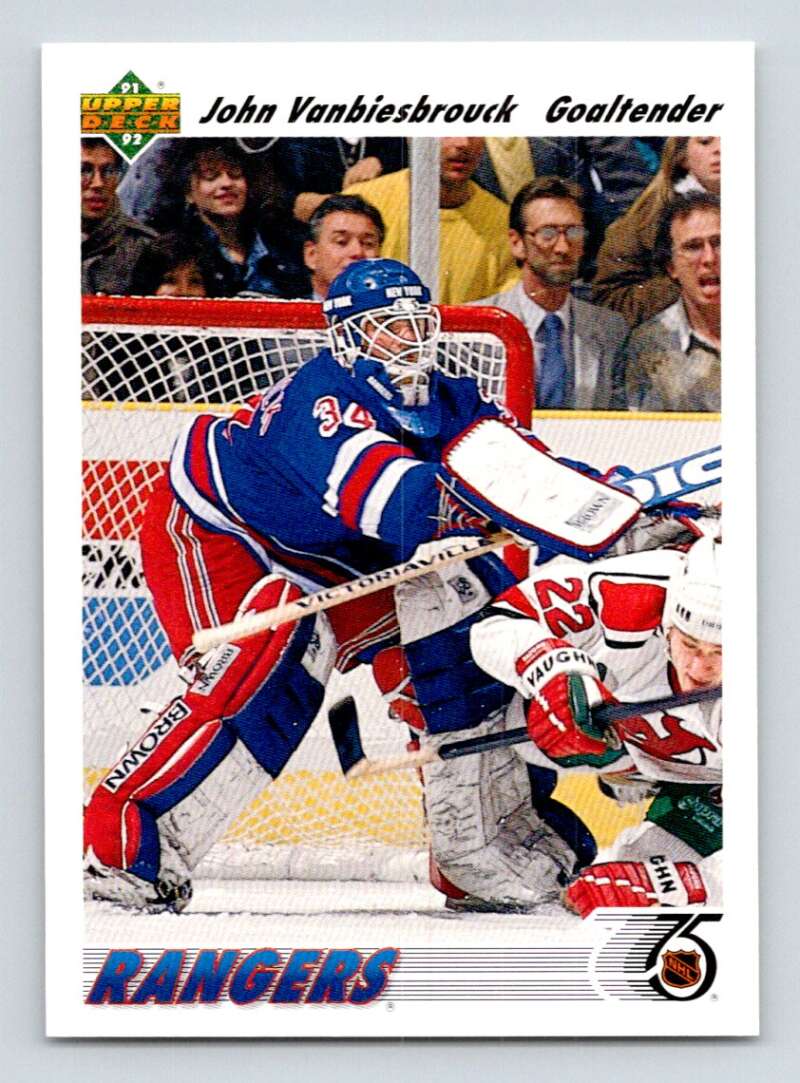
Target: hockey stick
x=455 y=551
x=672 y=481
x=651 y=487
x=343 y=720
x=603 y=717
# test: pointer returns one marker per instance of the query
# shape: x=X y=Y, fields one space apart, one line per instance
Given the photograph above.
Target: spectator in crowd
x=111 y=243
x=628 y=278
x=153 y=190
x=313 y=169
x=343 y=229
x=474 y=256
x=611 y=173
x=674 y=359
x=221 y=223
x=578 y=347
x=145 y=192
x=173 y=367
x=171 y=267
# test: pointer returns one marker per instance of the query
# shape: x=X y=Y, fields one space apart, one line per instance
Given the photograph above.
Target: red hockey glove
x=391 y=673
x=564 y=686
x=655 y=882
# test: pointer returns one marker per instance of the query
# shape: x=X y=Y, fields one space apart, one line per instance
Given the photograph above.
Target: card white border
x=719 y=72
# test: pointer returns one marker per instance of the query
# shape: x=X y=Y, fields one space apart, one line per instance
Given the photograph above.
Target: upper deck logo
x=130 y=114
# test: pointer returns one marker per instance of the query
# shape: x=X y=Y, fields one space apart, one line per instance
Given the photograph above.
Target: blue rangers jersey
x=317 y=478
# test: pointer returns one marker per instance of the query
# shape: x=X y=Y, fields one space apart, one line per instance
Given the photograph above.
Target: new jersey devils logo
x=675 y=742
x=680 y=969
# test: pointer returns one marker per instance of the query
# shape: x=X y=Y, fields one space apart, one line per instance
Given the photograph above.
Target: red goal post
x=146 y=362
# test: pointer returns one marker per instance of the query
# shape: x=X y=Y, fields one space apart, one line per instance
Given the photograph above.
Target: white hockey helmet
x=694 y=596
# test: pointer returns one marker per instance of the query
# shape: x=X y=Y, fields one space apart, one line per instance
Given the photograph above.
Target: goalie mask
x=384 y=330
x=694 y=596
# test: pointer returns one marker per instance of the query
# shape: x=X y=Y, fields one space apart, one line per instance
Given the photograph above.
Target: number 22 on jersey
x=576 y=617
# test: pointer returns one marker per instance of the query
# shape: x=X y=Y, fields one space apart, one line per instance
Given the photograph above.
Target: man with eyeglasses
x=111 y=243
x=578 y=347
x=675 y=358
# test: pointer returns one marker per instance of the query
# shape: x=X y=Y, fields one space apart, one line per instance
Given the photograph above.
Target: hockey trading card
x=398 y=710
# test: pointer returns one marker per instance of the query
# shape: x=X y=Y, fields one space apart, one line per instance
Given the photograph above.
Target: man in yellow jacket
x=475 y=259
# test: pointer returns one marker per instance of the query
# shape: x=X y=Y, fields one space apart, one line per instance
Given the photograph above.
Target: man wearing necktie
x=552 y=367
x=578 y=347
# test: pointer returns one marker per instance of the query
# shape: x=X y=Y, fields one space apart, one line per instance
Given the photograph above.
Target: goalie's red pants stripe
x=197 y=577
x=194 y=575
x=215 y=570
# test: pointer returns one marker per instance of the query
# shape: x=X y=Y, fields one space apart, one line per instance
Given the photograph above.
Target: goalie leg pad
x=190 y=829
x=265 y=691
x=284 y=672
x=175 y=753
x=486 y=837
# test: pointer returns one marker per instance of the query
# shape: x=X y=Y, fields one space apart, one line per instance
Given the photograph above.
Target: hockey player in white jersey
x=631 y=628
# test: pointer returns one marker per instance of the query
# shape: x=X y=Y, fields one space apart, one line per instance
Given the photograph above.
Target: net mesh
x=215 y=365
x=146 y=366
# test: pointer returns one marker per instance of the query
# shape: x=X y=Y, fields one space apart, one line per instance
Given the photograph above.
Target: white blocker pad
x=498 y=472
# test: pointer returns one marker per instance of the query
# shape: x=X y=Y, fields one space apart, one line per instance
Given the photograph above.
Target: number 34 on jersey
x=331 y=418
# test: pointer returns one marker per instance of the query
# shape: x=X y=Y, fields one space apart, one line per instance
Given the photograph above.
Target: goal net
x=147 y=364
